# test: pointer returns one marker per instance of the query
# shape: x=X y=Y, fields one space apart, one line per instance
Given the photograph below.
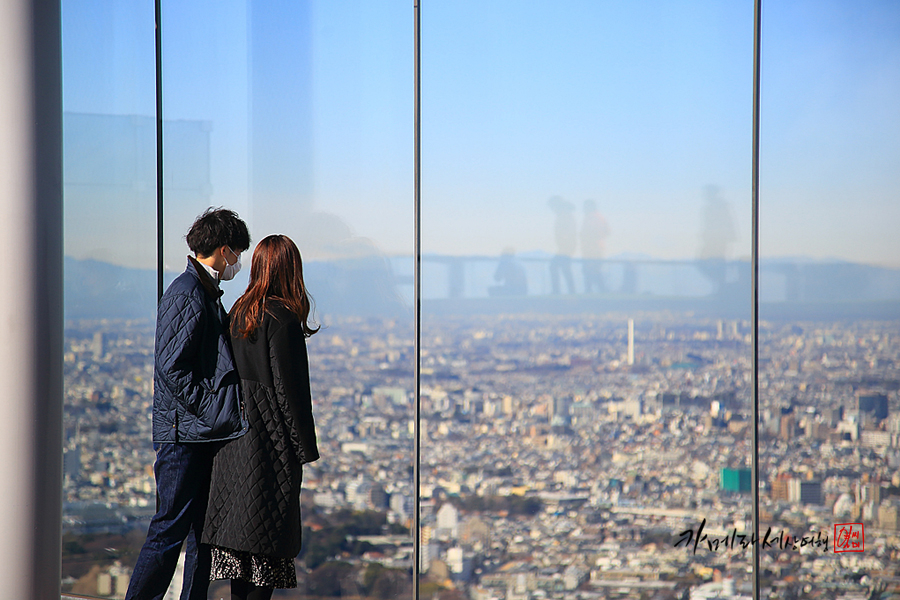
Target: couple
x=232 y=419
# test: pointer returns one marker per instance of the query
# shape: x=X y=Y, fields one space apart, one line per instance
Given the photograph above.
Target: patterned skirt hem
x=259 y=569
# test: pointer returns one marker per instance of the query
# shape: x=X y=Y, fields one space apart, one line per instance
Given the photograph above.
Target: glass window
x=299 y=117
x=586 y=344
x=110 y=289
x=829 y=292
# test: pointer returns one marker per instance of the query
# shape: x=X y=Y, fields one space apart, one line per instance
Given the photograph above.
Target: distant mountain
x=97 y=290
x=376 y=286
x=358 y=287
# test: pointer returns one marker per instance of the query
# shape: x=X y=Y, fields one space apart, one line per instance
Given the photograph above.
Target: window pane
x=830 y=292
x=299 y=117
x=110 y=289
x=586 y=347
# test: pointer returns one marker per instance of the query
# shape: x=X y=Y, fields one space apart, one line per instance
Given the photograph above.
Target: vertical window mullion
x=417 y=300
x=755 y=288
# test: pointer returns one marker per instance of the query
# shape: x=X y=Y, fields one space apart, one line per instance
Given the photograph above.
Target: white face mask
x=231 y=270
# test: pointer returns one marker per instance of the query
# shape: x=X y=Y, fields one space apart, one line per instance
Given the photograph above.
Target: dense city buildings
x=562 y=456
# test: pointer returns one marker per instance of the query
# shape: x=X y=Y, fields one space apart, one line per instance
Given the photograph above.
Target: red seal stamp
x=849 y=537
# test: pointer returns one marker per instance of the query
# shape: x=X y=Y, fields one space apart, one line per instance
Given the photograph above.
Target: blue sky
x=639 y=106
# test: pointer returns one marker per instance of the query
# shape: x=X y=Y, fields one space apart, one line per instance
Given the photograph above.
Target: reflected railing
x=783 y=281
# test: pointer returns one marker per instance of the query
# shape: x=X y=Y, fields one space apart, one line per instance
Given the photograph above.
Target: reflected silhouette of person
x=716 y=236
x=594 y=232
x=511 y=275
x=564 y=231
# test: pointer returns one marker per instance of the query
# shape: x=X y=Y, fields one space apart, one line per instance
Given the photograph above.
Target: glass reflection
x=586 y=352
x=110 y=290
x=296 y=116
x=830 y=296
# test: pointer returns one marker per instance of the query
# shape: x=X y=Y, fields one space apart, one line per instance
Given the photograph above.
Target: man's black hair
x=215 y=228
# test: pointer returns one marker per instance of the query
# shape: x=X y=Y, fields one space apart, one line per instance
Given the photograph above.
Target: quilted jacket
x=254 y=498
x=196 y=393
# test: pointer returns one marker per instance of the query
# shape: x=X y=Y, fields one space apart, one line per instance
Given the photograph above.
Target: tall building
x=378 y=498
x=98 y=346
x=72 y=463
x=428 y=549
x=455 y=559
x=833 y=415
x=888 y=517
x=805 y=491
x=630 y=341
x=448 y=521
x=786 y=432
x=873 y=403
x=874 y=491
x=559 y=406
x=780 y=488
x=736 y=480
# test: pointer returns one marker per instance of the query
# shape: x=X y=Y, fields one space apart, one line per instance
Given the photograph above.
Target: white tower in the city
x=630 y=341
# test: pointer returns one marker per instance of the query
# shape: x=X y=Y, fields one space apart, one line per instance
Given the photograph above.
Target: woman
x=253 y=517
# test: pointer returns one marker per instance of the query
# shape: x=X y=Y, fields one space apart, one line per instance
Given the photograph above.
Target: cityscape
x=562 y=456
x=597 y=198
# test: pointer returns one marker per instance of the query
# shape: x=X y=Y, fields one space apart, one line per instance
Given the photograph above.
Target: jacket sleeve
x=290 y=370
x=178 y=342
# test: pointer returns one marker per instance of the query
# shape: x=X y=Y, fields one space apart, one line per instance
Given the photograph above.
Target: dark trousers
x=561 y=265
x=182 y=485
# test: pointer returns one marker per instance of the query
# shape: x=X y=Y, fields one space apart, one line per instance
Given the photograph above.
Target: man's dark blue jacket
x=197 y=391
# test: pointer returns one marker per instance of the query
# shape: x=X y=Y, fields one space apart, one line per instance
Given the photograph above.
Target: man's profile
x=196 y=401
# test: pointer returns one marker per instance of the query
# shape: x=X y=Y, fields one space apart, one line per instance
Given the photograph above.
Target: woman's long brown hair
x=275 y=274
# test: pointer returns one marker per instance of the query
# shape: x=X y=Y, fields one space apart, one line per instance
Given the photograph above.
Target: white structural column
x=31 y=311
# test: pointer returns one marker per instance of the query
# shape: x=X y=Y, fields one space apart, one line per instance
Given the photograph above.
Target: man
x=196 y=401
x=564 y=230
x=594 y=232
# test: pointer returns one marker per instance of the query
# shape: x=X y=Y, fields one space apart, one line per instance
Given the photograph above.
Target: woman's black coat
x=254 y=497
